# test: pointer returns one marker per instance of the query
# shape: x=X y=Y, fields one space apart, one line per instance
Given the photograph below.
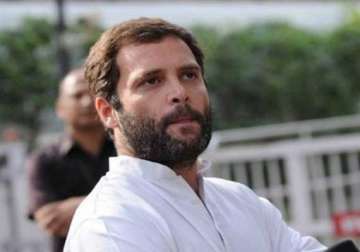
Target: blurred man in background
x=60 y=175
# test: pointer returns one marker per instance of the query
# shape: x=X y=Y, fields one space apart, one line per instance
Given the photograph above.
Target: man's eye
x=152 y=81
x=77 y=96
x=189 y=76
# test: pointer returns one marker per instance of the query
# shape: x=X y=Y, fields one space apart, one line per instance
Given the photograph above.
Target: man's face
x=165 y=115
x=75 y=105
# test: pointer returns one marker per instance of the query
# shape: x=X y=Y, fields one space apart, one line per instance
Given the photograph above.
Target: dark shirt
x=63 y=170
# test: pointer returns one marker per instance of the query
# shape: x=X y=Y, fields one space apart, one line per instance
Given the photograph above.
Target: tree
x=27 y=73
x=261 y=74
x=28 y=68
x=344 y=44
x=274 y=72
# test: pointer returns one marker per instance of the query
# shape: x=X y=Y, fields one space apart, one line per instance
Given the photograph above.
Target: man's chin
x=184 y=130
x=186 y=138
x=88 y=125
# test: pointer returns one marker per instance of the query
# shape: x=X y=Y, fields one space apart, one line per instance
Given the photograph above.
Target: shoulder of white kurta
x=99 y=235
x=118 y=217
x=231 y=188
x=282 y=238
x=240 y=191
x=236 y=195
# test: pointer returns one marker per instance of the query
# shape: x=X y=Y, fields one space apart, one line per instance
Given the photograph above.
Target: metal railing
x=307 y=178
x=291 y=130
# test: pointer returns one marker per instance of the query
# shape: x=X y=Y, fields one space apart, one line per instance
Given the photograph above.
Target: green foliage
x=273 y=72
x=81 y=36
x=28 y=68
x=26 y=72
x=345 y=49
x=265 y=73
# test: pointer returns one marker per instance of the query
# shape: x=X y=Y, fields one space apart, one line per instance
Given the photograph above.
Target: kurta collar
x=148 y=170
x=173 y=189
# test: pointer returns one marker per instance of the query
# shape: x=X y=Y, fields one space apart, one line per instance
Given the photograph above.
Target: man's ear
x=106 y=112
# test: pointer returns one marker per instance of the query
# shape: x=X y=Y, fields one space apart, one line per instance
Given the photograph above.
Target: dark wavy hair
x=101 y=69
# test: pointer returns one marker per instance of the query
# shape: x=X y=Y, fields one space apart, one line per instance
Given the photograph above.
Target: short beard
x=150 y=141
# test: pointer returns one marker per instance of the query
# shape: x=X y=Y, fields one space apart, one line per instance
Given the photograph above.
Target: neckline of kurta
x=153 y=172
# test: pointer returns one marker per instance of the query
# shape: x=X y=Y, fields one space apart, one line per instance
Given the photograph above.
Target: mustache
x=182 y=111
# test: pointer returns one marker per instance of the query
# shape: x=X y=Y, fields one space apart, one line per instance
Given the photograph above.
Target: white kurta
x=144 y=206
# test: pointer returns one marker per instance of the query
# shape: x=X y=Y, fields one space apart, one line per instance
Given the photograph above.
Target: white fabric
x=144 y=206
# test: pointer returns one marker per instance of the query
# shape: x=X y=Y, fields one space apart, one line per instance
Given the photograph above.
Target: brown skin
x=55 y=218
x=76 y=108
x=155 y=78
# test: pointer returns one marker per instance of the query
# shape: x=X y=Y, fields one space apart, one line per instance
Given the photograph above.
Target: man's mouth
x=184 y=121
x=183 y=117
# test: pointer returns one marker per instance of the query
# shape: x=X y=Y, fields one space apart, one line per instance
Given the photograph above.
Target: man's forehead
x=72 y=83
x=170 y=49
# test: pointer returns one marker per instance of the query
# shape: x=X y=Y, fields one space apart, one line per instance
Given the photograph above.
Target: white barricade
x=307 y=179
x=17 y=234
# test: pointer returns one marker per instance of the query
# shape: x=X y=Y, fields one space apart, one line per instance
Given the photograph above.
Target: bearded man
x=148 y=79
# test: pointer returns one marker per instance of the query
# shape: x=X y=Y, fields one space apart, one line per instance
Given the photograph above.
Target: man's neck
x=90 y=140
x=188 y=170
x=190 y=174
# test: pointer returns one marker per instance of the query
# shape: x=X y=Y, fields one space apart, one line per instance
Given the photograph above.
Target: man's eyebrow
x=191 y=67
x=143 y=74
x=151 y=73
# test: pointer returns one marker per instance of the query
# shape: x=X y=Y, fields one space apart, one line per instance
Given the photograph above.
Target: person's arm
x=40 y=190
x=55 y=217
x=52 y=215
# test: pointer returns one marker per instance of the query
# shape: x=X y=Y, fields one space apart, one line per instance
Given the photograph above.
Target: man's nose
x=178 y=93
